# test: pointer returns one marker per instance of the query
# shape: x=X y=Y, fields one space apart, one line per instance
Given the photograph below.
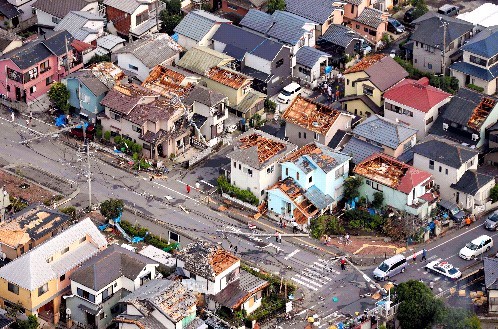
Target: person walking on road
x=188 y=188
x=276 y=236
x=279 y=236
x=424 y=255
x=343 y=264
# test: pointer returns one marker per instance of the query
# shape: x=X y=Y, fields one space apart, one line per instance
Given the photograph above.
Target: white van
x=476 y=247
x=289 y=92
x=390 y=267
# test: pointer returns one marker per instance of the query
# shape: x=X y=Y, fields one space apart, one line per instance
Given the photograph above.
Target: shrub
x=111 y=208
x=329 y=225
x=107 y=135
x=234 y=191
x=117 y=140
x=151 y=239
x=494 y=193
x=98 y=131
x=378 y=200
x=474 y=87
x=270 y=106
x=70 y=211
x=351 y=187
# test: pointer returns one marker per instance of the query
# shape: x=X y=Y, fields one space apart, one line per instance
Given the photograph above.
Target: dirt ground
x=368 y=246
x=31 y=193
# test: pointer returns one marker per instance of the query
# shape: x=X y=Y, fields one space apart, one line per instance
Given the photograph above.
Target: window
x=48 y=81
x=136 y=129
x=8 y=88
x=339 y=172
x=249 y=172
x=415 y=60
x=101 y=316
x=83 y=239
x=13 y=288
x=22 y=250
x=107 y=293
x=315 y=136
x=142 y=17
x=43 y=289
x=86 y=295
x=368 y=90
x=429 y=120
x=368 y=182
x=132 y=67
x=62 y=277
x=440 y=169
x=279 y=63
x=365 y=29
x=232 y=7
x=372 y=32
x=477 y=60
x=50 y=259
x=297 y=176
x=55 y=20
x=286 y=171
x=32 y=89
x=262 y=192
x=347 y=82
x=64 y=250
x=304 y=135
x=352 y=9
x=240 y=166
x=446 y=171
x=235 y=165
x=173 y=236
x=431 y=164
x=429 y=66
x=115 y=116
x=299 y=134
x=357 y=26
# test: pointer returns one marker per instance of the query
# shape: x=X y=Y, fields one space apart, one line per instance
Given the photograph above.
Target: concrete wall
x=127 y=59
x=258 y=182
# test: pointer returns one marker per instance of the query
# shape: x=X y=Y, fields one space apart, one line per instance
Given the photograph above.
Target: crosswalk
x=316 y=275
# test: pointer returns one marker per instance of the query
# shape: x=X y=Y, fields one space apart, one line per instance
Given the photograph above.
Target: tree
x=169 y=22
x=378 y=200
x=493 y=194
x=30 y=323
x=420 y=8
x=456 y=318
x=419 y=308
x=107 y=135
x=111 y=208
x=99 y=58
x=351 y=187
x=275 y=5
x=59 y=96
x=174 y=7
x=70 y=211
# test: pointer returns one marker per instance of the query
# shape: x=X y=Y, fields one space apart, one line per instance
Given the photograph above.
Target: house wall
x=442 y=179
x=379 y=31
x=282 y=74
x=25 y=7
x=186 y=43
x=126 y=61
x=78 y=91
x=252 y=303
x=230 y=7
x=120 y=20
x=418 y=120
x=235 y=96
x=94 y=25
x=45 y=19
x=301 y=136
x=490 y=87
x=278 y=203
x=13 y=45
x=357 y=89
x=258 y=182
x=470 y=202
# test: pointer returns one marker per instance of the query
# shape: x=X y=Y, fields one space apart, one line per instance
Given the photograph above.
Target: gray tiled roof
x=430 y=29
x=339 y=35
x=317 y=11
x=491 y=273
x=108 y=266
x=461 y=106
x=360 y=150
x=385 y=73
x=197 y=24
x=59 y=8
x=370 y=17
x=472 y=181
x=450 y=154
x=128 y=6
x=74 y=23
x=384 y=131
x=257 y=20
x=318 y=198
x=8 y=10
x=308 y=56
x=87 y=78
x=239 y=290
x=109 y=41
x=152 y=51
x=239 y=41
x=204 y=96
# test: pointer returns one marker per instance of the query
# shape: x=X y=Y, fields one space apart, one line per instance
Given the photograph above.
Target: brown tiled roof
x=365 y=63
x=161 y=109
x=123 y=98
x=227 y=77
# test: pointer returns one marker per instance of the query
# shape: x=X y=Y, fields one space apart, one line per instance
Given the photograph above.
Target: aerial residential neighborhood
x=248 y=164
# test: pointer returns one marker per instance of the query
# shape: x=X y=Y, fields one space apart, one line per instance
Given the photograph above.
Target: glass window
x=62 y=277
x=431 y=164
x=279 y=63
x=43 y=289
x=368 y=90
x=477 y=60
x=13 y=288
x=64 y=250
x=133 y=67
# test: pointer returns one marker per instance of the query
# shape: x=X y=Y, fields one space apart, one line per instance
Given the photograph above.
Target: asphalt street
x=328 y=290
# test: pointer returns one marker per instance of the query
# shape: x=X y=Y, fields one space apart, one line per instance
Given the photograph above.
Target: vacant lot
x=29 y=192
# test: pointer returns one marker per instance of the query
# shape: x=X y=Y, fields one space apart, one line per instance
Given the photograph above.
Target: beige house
x=325 y=123
x=145 y=117
x=415 y=103
x=366 y=82
x=197 y=28
x=371 y=24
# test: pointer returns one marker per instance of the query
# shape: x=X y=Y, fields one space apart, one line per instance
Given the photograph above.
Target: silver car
x=491 y=223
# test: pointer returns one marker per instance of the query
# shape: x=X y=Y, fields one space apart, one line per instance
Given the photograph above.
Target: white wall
x=45 y=19
x=185 y=42
x=25 y=6
x=258 y=63
x=124 y=61
x=259 y=181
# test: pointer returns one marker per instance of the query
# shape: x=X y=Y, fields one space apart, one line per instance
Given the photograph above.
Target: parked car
x=448 y=10
x=289 y=92
x=443 y=268
x=476 y=247
x=363 y=47
x=77 y=132
x=390 y=267
x=394 y=26
x=455 y=213
x=409 y=15
x=491 y=222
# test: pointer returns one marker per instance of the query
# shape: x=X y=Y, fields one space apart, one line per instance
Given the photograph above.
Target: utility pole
x=157 y=14
x=89 y=173
x=443 y=66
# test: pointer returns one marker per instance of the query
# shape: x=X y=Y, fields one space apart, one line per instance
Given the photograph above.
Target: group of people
x=331 y=95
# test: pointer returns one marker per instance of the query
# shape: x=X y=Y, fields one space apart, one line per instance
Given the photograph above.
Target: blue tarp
x=60 y=120
x=328 y=69
x=85 y=124
x=175 y=37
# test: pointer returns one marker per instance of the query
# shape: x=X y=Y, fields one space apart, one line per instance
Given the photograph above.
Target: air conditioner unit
x=445 y=126
x=475 y=137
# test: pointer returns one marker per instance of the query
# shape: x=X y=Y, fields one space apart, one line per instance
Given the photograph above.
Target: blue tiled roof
x=308 y=56
x=476 y=71
x=360 y=150
x=485 y=43
x=318 y=198
x=257 y=20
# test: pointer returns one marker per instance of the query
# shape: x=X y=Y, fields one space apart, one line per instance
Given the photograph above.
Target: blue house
x=312 y=183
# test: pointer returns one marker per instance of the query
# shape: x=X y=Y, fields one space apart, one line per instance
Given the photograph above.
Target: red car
x=78 y=132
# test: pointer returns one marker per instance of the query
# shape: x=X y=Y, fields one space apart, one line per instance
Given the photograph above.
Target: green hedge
x=474 y=87
x=234 y=191
x=151 y=239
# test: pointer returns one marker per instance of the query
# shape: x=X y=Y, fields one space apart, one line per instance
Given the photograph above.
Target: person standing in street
x=276 y=236
x=343 y=264
x=424 y=255
x=279 y=237
x=188 y=188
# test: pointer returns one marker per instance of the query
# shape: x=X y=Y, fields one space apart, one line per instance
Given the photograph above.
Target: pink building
x=27 y=72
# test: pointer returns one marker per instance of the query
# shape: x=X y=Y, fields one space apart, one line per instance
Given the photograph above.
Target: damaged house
x=312 y=182
x=215 y=272
x=404 y=187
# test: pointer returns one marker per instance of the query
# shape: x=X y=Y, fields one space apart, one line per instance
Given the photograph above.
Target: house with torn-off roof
x=379 y=135
x=367 y=81
x=49 y=13
x=211 y=270
x=308 y=121
x=29 y=228
x=210 y=110
x=479 y=64
x=132 y=18
x=143 y=116
x=322 y=12
x=429 y=39
x=254 y=161
x=404 y=187
x=455 y=171
x=415 y=103
x=38 y=279
x=138 y=58
x=267 y=61
x=197 y=29
x=467 y=118
x=240 y=8
x=102 y=281
x=159 y=304
x=312 y=179
x=88 y=87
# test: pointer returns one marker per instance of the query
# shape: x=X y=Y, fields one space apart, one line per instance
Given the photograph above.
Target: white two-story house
x=255 y=161
x=99 y=283
x=49 y=13
x=479 y=66
x=312 y=182
x=454 y=168
x=403 y=187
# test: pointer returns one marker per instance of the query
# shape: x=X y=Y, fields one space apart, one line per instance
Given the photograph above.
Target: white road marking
x=304 y=284
x=172 y=190
x=291 y=254
x=301 y=277
x=453 y=238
